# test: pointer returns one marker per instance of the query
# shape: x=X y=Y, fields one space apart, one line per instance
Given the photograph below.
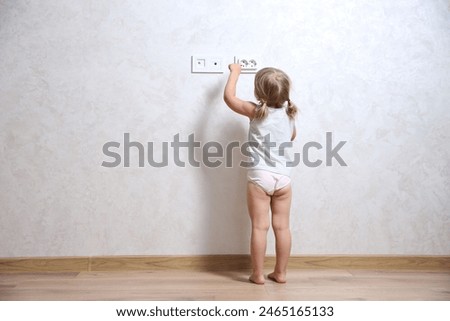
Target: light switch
x=207 y=64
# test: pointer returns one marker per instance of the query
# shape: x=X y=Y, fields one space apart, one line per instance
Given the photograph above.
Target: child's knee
x=263 y=227
x=280 y=227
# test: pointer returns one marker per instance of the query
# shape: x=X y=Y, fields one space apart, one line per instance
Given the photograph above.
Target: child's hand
x=235 y=68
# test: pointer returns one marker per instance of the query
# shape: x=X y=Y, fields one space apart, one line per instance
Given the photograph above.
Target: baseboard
x=218 y=262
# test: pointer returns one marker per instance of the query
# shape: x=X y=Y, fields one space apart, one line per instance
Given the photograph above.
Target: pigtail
x=291 y=110
x=262 y=110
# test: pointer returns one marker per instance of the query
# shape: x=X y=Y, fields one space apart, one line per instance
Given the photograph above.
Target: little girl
x=271 y=124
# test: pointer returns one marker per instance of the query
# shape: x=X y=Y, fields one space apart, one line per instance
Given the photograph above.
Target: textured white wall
x=77 y=74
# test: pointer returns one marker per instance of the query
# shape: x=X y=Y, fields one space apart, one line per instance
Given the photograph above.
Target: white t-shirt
x=270 y=141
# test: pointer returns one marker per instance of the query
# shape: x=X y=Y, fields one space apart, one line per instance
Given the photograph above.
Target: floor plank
x=225 y=285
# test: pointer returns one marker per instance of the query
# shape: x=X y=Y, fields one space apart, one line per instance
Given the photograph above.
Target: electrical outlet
x=249 y=64
x=207 y=64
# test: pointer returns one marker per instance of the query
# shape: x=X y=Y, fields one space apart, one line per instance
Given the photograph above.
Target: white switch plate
x=207 y=64
x=249 y=64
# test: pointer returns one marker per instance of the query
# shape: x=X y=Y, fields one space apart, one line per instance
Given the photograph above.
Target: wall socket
x=249 y=64
x=204 y=64
x=207 y=64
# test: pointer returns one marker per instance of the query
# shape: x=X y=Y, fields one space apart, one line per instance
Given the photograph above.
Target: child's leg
x=258 y=207
x=281 y=204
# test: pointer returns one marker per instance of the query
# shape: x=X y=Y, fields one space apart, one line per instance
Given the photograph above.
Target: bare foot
x=277 y=277
x=257 y=279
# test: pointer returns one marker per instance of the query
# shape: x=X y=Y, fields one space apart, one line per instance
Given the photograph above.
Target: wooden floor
x=195 y=285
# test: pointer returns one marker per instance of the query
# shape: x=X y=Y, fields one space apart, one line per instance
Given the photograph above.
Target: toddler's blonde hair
x=272 y=88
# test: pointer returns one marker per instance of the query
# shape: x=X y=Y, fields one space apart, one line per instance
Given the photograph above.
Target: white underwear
x=268 y=181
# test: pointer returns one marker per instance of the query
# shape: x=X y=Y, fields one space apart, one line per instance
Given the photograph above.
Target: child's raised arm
x=242 y=107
